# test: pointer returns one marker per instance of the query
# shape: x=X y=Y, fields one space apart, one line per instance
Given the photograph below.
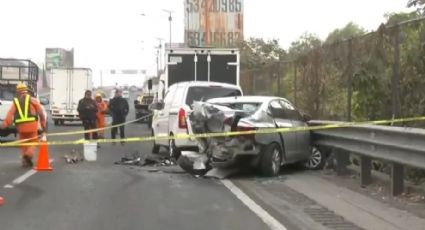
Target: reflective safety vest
x=23 y=117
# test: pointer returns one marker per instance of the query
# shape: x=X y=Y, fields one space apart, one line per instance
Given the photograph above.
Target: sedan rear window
x=249 y=107
x=198 y=93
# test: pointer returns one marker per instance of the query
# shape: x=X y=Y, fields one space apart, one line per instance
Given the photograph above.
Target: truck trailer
x=67 y=88
x=200 y=64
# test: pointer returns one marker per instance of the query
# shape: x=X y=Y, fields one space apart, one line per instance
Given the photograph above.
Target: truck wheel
x=270 y=160
x=155 y=148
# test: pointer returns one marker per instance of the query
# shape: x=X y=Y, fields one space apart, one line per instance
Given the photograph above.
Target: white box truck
x=67 y=88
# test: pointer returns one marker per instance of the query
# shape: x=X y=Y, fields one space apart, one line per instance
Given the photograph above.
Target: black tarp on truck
x=202 y=64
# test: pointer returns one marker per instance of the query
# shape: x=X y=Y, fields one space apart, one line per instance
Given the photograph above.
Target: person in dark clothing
x=87 y=110
x=119 y=108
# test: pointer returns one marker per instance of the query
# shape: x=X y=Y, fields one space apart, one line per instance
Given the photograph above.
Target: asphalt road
x=101 y=195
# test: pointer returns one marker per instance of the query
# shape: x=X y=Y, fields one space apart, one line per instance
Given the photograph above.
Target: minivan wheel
x=316 y=160
x=271 y=160
x=172 y=149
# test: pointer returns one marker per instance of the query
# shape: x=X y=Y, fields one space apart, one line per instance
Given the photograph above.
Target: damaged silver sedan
x=265 y=151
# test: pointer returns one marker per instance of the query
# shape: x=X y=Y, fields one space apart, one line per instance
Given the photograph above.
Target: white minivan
x=170 y=117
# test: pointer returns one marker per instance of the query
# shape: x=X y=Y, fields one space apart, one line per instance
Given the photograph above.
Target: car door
x=289 y=138
x=162 y=120
x=302 y=147
x=176 y=105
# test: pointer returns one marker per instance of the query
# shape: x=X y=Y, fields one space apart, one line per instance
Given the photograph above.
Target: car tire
x=270 y=160
x=62 y=122
x=172 y=149
x=316 y=160
x=56 y=122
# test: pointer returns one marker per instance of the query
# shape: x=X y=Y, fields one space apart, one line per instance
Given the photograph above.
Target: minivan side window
x=178 y=96
x=169 y=96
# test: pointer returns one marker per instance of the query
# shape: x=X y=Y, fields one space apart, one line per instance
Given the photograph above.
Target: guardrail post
x=397 y=179
x=365 y=171
x=342 y=160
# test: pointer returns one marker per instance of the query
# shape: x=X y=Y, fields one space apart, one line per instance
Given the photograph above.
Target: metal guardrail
x=398 y=146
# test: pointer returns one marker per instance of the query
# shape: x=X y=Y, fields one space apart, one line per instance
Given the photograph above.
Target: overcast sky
x=108 y=34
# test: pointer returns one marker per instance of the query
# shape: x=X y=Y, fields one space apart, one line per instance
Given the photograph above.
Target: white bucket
x=90 y=151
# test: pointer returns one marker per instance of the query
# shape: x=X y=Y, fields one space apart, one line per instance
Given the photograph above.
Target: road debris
x=150 y=160
x=194 y=163
x=73 y=157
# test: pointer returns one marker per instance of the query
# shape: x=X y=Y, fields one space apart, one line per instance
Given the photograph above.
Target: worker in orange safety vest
x=25 y=112
x=102 y=107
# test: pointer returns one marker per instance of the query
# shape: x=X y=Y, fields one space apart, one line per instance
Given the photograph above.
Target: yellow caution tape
x=69 y=133
x=223 y=134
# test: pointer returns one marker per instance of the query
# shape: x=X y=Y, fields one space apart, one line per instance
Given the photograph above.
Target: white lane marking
x=254 y=207
x=8 y=186
x=26 y=175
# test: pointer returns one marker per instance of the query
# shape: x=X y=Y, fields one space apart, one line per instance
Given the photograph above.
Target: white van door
x=161 y=123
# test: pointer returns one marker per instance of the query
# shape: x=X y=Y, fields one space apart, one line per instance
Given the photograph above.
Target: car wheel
x=56 y=122
x=271 y=160
x=62 y=122
x=155 y=148
x=316 y=160
x=172 y=149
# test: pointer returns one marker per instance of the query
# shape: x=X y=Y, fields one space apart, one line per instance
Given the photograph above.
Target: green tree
x=419 y=4
x=349 y=31
x=259 y=65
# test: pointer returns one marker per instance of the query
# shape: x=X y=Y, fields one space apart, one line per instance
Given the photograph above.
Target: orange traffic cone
x=43 y=163
x=1 y=201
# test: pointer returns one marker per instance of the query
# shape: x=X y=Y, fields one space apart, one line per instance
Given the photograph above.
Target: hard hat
x=21 y=87
x=98 y=95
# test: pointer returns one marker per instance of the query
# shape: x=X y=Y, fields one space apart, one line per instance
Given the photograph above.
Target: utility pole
x=160 y=52
x=395 y=79
x=170 y=19
x=157 y=62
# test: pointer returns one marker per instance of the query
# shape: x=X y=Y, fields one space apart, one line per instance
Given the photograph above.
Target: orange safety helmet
x=21 y=87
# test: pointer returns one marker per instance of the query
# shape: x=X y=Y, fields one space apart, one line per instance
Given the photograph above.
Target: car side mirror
x=306 y=117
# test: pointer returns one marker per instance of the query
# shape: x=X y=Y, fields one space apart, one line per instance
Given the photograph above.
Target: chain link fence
x=379 y=75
